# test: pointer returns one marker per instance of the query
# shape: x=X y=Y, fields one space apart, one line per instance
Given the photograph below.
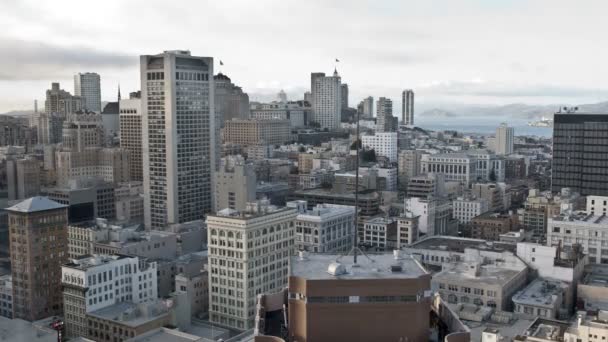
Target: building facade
x=326 y=100
x=88 y=86
x=131 y=134
x=235 y=184
x=178 y=121
x=384 y=144
x=407 y=109
x=504 y=139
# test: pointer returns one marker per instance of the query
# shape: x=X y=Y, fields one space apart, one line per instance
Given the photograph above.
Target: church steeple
x=335 y=72
x=118 y=92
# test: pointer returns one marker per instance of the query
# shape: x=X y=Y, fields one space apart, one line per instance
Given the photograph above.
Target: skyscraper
x=87 y=85
x=344 y=95
x=580 y=153
x=178 y=120
x=384 y=116
x=327 y=99
x=130 y=133
x=368 y=107
x=39 y=238
x=504 y=139
x=407 y=107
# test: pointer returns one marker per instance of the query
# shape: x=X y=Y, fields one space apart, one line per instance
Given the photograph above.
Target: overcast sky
x=448 y=51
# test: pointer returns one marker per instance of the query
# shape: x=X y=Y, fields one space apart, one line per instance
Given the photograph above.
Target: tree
x=368 y=156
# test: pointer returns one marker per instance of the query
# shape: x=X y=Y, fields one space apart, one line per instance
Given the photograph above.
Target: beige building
x=248 y=255
x=256 y=132
x=110 y=164
x=38 y=247
x=195 y=284
x=408 y=166
x=82 y=130
x=407 y=230
x=235 y=183
x=332 y=300
x=130 y=134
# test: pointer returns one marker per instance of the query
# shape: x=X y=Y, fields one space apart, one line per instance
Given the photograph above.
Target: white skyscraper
x=177 y=96
x=87 y=85
x=504 y=139
x=407 y=107
x=326 y=99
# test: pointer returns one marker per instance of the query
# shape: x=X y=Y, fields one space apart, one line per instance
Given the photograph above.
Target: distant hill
x=515 y=111
x=18 y=112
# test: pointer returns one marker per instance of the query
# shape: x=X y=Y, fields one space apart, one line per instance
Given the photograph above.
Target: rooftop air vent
x=336 y=269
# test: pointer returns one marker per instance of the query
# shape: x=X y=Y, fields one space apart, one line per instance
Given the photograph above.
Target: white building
x=248 y=255
x=434 y=214
x=391 y=176
x=597 y=205
x=542 y=298
x=87 y=85
x=326 y=100
x=588 y=328
x=455 y=166
x=504 y=139
x=588 y=230
x=327 y=228
x=407 y=107
x=384 y=144
x=94 y=282
x=464 y=209
x=380 y=232
x=178 y=123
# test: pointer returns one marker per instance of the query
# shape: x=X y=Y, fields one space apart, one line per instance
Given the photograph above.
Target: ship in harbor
x=543 y=122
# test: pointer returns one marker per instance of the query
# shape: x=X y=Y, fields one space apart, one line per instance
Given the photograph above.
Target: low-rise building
x=384 y=144
x=542 y=298
x=592 y=290
x=429 y=185
x=464 y=209
x=130 y=202
x=196 y=286
x=588 y=230
x=588 y=327
x=483 y=278
x=407 y=230
x=6 y=296
x=454 y=166
x=490 y=226
x=326 y=228
x=380 y=232
x=434 y=215
x=544 y=330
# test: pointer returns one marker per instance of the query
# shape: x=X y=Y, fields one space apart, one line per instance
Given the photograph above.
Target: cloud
x=33 y=60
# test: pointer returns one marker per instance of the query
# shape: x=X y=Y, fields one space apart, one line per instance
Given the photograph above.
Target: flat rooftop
x=596 y=275
x=18 y=330
x=491 y=274
x=540 y=292
x=547 y=329
x=582 y=217
x=373 y=266
x=130 y=314
x=88 y=261
x=456 y=244
x=365 y=194
x=166 y=335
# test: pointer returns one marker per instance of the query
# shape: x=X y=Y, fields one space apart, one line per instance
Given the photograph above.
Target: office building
x=588 y=230
x=230 y=100
x=235 y=184
x=539 y=206
x=95 y=282
x=129 y=198
x=195 y=283
x=256 y=132
x=504 y=139
x=457 y=167
x=23 y=177
x=326 y=228
x=61 y=102
x=579 y=160
x=109 y=164
x=490 y=226
x=542 y=298
x=87 y=85
x=39 y=240
x=434 y=215
x=407 y=229
x=429 y=185
x=248 y=255
x=50 y=128
x=82 y=130
x=385 y=122
x=464 y=209
x=384 y=144
x=344 y=95
x=408 y=166
x=329 y=296
x=407 y=107
x=380 y=233
x=6 y=296
x=483 y=278
x=178 y=121
x=131 y=133
x=326 y=100
x=298 y=113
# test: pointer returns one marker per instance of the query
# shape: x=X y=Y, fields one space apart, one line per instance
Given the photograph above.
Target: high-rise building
x=257 y=132
x=344 y=95
x=282 y=96
x=87 y=85
x=504 y=139
x=368 y=107
x=407 y=107
x=38 y=246
x=130 y=134
x=580 y=159
x=61 y=102
x=235 y=184
x=385 y=122
x=327 y=100
x=178 y=121
x=23 y=177
x=384 y=144
x=82 y=130
x=248 y=255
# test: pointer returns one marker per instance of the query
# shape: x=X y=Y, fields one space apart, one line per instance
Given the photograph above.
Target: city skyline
x=442 y=54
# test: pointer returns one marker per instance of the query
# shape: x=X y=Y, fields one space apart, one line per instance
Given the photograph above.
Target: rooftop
x=540 y=292
x=545 y=329
x=457 y=244
x=596 y=275
x=373 y=266
x=35 y=204
x=582 y=217
x=166 y=335
x=88 y=261
x=18 y=330
x=132 y=314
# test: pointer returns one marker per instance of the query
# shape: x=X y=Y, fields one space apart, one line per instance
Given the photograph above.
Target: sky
x=487 y=52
